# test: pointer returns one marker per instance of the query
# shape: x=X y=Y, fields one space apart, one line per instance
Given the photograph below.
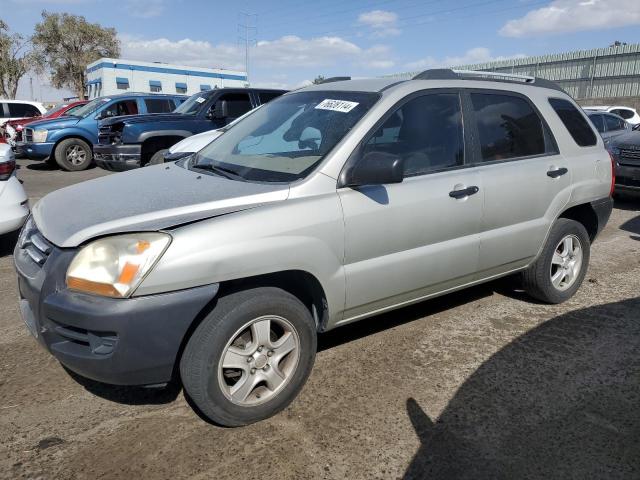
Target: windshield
x=55 y=109
x=285 y=139
x=191 y=105
x=89 y=108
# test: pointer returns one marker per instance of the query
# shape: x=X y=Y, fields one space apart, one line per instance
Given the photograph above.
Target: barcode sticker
x=200 y=99
x=336 y=105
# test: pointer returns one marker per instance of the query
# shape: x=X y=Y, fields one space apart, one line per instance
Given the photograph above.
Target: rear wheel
x=559 y=271
x=73 y=154
x=250 y=356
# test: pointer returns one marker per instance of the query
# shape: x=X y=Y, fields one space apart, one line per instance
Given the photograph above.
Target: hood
x=150 y=117
x=631 y=139
x=55 y=123
x=197 y=142
x=150 y=198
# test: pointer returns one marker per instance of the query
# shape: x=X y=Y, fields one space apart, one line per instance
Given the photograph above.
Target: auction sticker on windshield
x=200 y=99
x=336 y=105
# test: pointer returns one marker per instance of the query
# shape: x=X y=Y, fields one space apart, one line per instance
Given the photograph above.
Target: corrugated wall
x=599 y=73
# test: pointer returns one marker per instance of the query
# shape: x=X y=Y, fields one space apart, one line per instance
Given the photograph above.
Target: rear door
x=526 y=180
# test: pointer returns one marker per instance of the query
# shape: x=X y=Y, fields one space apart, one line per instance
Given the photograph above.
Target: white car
x=628 y=113
x=18 y=109
x=14 y=207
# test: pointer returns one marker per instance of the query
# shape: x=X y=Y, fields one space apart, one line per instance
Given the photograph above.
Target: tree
x=65 y=44
x=15 y=60
x=318 y=79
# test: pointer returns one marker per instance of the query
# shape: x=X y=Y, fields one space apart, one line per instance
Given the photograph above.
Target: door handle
x=465 y=192
x=557 y=173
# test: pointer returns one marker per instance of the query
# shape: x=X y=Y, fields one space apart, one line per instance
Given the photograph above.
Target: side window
x=4 y=110
x=124 y=107
x=508 y=127
x=237 y=103
x=598 y=122
x=426 y=132
x=613 y=123
x=574 y=121
x=23 y=110
x=159 y=105
x=268 y=96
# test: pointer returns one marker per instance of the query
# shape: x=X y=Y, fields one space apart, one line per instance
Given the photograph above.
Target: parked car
x=69 y=140
x=13 y=128
x=625 y=150
x=18 y=109
x=14 y=207
x=329 y=205
x=609 y=125
x=629 y=114
x=132 y=142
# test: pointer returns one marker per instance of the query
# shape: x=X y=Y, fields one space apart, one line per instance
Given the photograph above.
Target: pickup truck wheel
x=559 y=271
x=157 y=158
x=73 y=154
x=250 y=356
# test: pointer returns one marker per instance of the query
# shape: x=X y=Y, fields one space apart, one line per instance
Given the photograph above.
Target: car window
x=123 y=107
x=598 y=122
x=508 y=127
x=4 y=110
x=159 y=105
x=237 y=103
x=23 y=110
x=268 y=96
x=426 y=132
x=73 y=110
x=613 y=123
x=623 y=112
x=574 y=121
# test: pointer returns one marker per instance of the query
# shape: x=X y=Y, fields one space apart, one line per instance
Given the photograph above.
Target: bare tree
x=15 y=60
x=65 y=44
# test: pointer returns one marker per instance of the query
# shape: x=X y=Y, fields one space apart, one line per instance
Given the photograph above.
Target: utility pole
x=247 y=31
x=31 y=88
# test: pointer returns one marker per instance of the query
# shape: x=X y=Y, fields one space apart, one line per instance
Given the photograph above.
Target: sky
x=293 y=41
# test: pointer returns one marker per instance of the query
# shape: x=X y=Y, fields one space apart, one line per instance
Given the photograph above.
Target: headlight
x=39 y=136
x=115 y=266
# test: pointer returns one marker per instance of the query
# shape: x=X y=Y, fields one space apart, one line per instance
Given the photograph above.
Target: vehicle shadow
x=43 y=166
x=632 y=226
x=8 y=242
x=561 y=401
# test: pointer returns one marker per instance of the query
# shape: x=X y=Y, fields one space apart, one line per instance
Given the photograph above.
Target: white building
x=111 y=76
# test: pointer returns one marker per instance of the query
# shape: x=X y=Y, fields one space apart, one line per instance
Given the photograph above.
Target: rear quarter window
x=575 y=122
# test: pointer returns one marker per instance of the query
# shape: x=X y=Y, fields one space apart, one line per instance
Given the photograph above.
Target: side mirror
x=375 y=168
x=636 y=127
x=220 y=110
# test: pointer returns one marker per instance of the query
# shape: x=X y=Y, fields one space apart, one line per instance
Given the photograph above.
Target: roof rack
x=450 y=74
x=334 y=79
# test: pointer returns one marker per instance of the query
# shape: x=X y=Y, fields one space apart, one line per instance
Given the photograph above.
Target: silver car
x=330 y=204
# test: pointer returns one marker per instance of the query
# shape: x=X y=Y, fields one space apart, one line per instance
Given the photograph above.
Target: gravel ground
x=484 y=383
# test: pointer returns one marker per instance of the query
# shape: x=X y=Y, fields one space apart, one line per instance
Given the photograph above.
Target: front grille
x=33 y=243
x=627 y=182
x=28 y=135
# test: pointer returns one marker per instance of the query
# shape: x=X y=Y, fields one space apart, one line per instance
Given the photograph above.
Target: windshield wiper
x=222 y=171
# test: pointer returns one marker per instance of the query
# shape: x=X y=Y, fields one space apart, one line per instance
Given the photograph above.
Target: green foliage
x=65 y=44
x=15 y=60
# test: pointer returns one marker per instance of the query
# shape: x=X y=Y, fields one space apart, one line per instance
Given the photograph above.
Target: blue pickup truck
x=136 y=141
x=69 y=140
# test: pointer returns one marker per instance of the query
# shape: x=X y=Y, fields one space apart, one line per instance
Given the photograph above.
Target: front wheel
x=250 y=357
x=73 y=154
x=561 y=267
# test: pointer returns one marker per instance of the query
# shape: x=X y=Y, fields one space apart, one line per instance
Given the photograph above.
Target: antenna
x=247 y=31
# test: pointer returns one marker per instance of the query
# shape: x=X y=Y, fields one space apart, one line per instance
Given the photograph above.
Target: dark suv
x=135 y=141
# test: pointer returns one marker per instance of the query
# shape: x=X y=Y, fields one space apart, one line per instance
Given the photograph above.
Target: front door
x=408 y=240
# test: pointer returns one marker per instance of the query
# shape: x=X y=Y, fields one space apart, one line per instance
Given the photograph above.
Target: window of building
x=426 y=132
x=159 y=105
x=23 y=110
x=155 y=86
x=122 y=83
x=574 y=121
x=268 y=96
x=181 y=87
x=205 y=87
x=613 y=123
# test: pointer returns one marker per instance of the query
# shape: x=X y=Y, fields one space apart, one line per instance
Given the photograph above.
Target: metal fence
x=599 y=73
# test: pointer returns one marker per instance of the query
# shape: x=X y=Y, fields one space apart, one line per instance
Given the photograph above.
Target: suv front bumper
x=34 y=151
x=133 y=341
x=118 y=157
x=627 y=178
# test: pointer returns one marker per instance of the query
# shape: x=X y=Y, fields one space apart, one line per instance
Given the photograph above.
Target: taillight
x=613 y=174
x=6 y=169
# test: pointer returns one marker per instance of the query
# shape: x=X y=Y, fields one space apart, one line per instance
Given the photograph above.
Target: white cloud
x=382 y=22
x=562 y=16
x=471 y=56
x=145 y=8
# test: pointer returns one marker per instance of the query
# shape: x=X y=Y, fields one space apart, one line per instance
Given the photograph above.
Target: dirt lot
x=480 y=384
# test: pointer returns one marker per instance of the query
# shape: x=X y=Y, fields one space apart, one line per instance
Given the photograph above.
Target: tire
x=157 y=158
x=73 y=155
x=537 y=279
x=211 y=387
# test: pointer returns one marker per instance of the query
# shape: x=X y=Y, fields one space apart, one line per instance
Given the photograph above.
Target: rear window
x=614 y=123
x=508 y=127
x=575 y=122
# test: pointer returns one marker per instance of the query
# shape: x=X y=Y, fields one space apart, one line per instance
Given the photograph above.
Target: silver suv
x=330 y=204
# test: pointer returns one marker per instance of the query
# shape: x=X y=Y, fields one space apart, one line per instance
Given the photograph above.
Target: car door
x=408 y=240
x=615 y=127
x=526 y=180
